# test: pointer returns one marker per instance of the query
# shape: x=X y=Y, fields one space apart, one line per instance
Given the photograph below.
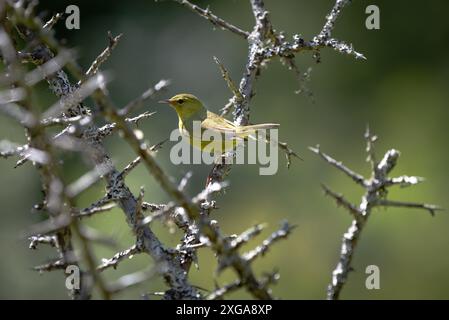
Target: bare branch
x=404 y=181
x=49 y=226
x=387 y=163
x=289 y=153
x=130 y=167
x=54 y=19
x=190 y=214
x=238 y=98
x=324 y=37
x=64 y=121
x=370 y=141
x=49 y=68
x=183 y=183
x=88 y=257
x=55 y=265
x=390 y=203
x=75 y=98
x=374 y=196
x=35 y=240
x=244 y=237
x=331 y=18
x=228 y=107
x=93 y=69
x=131 y=280
x=8 y=149
x=17 y=113
x=220 y=292
x=87 y=180
x=102 y=205
x=118 y=257
x=339 y=165
x=12 y=95
x=343 y=48
x=148 y=94
x=152 y=207
x=144 y=115
x=282 y=233
x=95 y=236
x=216 y=21
x=341 y=201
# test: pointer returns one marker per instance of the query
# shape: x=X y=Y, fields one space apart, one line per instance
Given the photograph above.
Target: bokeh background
x=401 y=91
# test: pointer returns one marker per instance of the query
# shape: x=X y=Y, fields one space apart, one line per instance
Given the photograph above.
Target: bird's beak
x=167 y=101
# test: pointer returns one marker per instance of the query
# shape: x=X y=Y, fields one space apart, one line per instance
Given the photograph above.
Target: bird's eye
x=180 y=101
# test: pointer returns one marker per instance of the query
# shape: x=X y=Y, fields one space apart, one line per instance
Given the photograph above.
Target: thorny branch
x=175 y=273
x=51 y=182
x=115 y=260
x=45 y=52
x=93 y=69
x=264 y=44
x=376 y=191
x=216 y=21
x=191 y=215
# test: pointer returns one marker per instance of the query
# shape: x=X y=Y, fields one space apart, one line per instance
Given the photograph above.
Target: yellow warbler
x=190 y=109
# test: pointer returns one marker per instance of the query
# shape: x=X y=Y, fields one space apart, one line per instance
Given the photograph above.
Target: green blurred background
x=401 y=91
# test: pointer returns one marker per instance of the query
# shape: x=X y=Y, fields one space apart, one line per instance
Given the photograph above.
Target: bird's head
x=185 y=105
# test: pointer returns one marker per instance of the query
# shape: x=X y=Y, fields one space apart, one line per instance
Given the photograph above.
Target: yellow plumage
x=190 y=109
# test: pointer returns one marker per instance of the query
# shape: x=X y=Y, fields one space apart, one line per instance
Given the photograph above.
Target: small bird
x=189 y=109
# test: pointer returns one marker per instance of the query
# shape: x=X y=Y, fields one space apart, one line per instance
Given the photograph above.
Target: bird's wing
x=217 y=123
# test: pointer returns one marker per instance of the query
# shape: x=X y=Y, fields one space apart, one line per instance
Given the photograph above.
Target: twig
x=404 y=181
x=54 y=19
x=35 y=240
x=324 y=37
x=93 y=69
x=243 y=238
x=118 y=257
x=219 y=244
x=220 y=292
x=375 y=193
x=238 y=98
x=358 y=178
x=88 y=256
x=131 y=166
x=144 y=115
x=52 y=184
x=95 y=236
x=73 y=99
x=263 y=45
x=49 y=68
x=175 y=274
x=183 y=183
x=325 y=33
x=8 y=149
x=102 y=205
x=55 y=265
x=429 y=207
x=341 y=201
x=149 y=93
x=216 y=21
x=283 y=232
x=190 y=214
x=87 y=180
x=131 y=280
